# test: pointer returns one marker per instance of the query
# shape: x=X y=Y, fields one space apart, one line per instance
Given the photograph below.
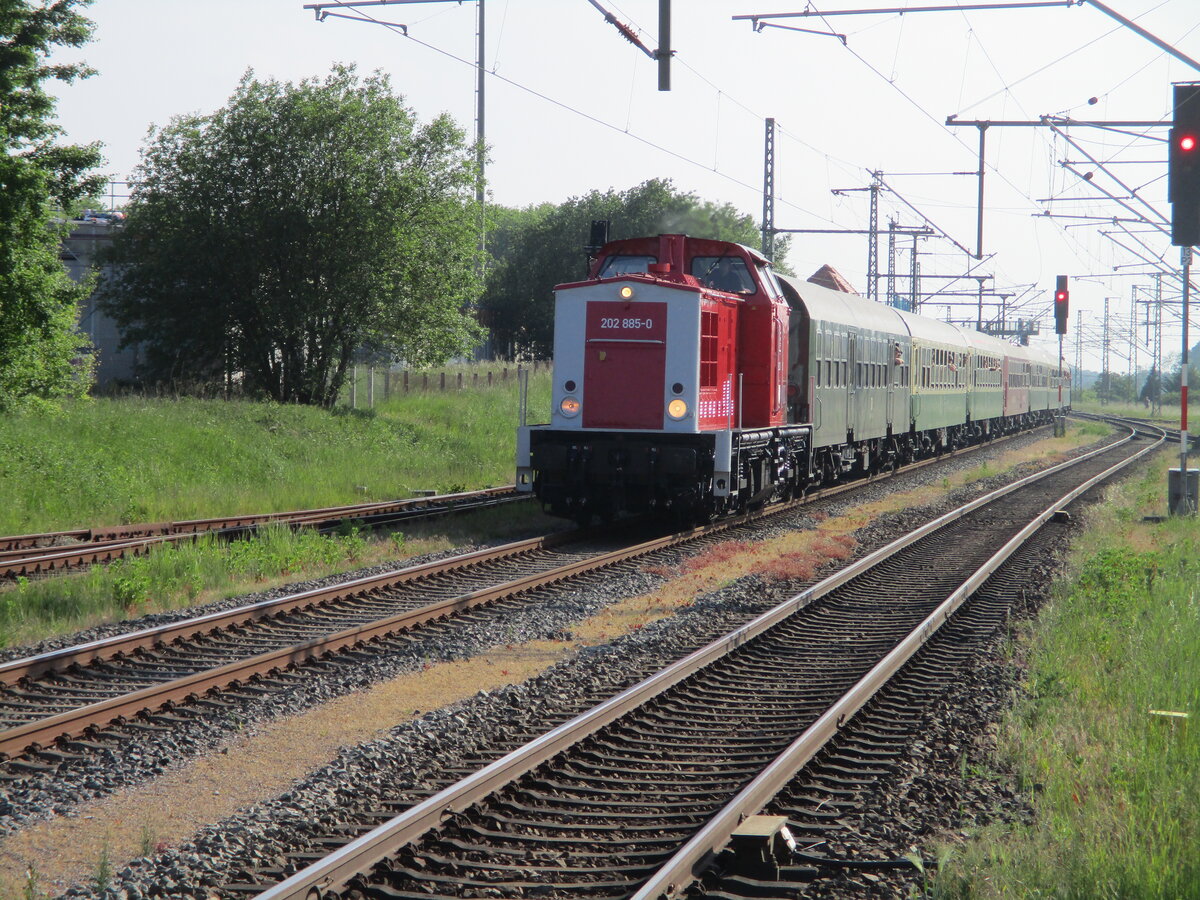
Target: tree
x=539 y=247
x=274 y=238
x=43 y=358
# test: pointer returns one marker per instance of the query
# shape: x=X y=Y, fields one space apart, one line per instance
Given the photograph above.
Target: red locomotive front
x=666 y=358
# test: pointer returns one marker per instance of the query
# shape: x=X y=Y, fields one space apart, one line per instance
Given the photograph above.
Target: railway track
x=32 y=555
x=59 y=706
x=1144 y=426
x=641 y=794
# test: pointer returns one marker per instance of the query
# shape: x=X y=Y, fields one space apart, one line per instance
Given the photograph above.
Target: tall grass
x=110 y=461
x=1113 y=781
x=185 y=574
x=171 y=576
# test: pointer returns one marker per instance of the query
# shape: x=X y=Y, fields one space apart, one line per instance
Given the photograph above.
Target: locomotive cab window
x=723 y=273
x=626 y=265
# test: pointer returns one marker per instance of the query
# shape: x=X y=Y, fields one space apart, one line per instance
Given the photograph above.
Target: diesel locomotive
x=691 y=379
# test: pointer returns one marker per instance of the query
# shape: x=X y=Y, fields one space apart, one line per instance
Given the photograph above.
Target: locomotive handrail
x=608 y=340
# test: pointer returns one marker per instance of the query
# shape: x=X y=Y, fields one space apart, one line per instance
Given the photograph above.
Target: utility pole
x=891 y=273
x=1079 y=348
x=873 y=238
x=1133 y=346
x=768 y=216
x=1187 y=504
x=1156 y=391
x=664 y=52
x=915 y=279
x=1104 y=354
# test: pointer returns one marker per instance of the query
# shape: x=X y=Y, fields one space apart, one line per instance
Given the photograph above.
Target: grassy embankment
x=1110 y=771
x=136 y=460
x=1169 y=415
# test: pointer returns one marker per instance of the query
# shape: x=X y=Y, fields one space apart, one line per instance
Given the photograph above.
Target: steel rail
x=23 y=556
x=35 y=735
x=323 y=878
x=75 y=722
x=82 y=654
x=686 y=865
x=148 y=638
x=1171 y=433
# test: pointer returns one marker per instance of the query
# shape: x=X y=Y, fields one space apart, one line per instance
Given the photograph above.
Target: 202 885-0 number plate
x=640 y=321
x=611 y=322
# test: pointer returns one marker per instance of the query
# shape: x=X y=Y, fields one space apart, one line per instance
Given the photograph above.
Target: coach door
x=893 y=364
x=852 y=379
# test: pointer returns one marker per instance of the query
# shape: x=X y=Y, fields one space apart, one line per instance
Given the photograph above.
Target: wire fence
x=368 y=385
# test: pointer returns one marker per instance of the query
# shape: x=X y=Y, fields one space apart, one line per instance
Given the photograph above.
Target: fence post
x=406 y=381
x=443 y=382
x=474 y=379
x=460 y=381
x=370 y=387
x=354 y=387
x=504 y=376
x=387 y=383
x=489 y=377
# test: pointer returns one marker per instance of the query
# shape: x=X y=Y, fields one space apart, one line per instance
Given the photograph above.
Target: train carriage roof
x=934 y=330
x=827 y=305
x=989 y=344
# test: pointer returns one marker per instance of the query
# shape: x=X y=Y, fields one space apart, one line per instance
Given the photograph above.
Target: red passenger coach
x=669 y=384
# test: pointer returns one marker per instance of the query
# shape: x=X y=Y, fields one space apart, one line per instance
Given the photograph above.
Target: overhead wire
x=402 y=32
x=943 y=127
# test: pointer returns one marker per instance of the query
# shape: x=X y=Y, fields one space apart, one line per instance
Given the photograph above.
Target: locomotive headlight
x=677 y=408
x=569 y=406
x=626 y=292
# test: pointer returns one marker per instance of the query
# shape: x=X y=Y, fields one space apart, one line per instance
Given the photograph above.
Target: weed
x=103 y=874
x=148 y=842
x=30 y=890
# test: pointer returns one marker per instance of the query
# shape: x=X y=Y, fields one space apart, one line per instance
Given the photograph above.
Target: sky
x=571 y=106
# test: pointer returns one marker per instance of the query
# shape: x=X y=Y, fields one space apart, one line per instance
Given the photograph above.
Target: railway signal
x=1061 y=299
x=1183 y=167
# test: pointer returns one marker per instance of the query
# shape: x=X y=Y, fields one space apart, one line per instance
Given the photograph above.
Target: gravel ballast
x=399 y=765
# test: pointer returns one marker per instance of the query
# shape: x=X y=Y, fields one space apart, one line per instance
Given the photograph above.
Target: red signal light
x=1187 y=143
x=1060 y=297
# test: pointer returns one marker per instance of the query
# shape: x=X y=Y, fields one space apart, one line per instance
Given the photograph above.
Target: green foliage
x=268 y=241
x=541 y=246
x=103 y=875
x=1112 y=781
x=170 y=576
x=43 y=358
x=141 y=460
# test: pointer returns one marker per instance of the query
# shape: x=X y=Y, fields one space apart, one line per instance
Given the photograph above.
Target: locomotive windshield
x=723 y=273
x=626 y=265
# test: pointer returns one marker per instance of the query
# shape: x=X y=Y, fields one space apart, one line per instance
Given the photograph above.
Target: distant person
x=726 y=278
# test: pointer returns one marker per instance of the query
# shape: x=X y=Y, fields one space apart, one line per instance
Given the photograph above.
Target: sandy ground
x=261 y=765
